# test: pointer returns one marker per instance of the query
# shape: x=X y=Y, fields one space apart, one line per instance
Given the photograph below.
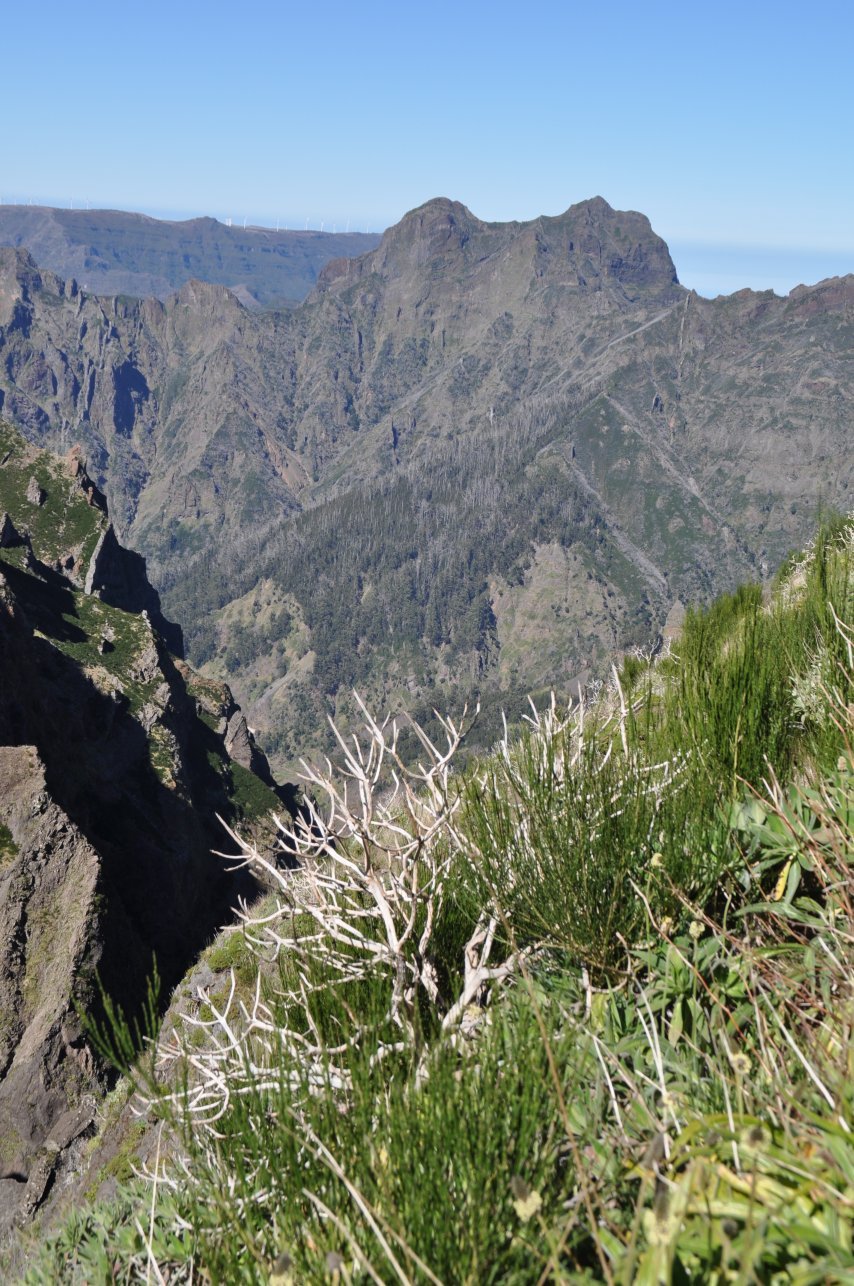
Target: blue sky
x=730 y=125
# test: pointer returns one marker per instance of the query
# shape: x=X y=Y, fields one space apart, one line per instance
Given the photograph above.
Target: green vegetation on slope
x=117 y=650
x=651 y=1082
x=8 y=847
x=64 y=523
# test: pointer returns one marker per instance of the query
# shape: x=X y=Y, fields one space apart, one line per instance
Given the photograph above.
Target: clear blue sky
x=730 y=125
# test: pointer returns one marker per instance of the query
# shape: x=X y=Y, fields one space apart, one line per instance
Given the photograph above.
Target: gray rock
x=8 y=533
x=238 y=742
x=48 y=935
x=674 y=624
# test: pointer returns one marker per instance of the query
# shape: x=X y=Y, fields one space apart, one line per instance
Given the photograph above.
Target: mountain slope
x=114 y=760
x=479 y=457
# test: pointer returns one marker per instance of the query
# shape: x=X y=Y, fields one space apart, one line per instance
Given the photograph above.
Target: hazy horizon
x=711 y=268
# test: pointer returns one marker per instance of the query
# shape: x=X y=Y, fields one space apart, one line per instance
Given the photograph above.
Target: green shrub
x=232 y=951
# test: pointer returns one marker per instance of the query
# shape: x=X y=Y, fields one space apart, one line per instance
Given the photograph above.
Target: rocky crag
x=115 y=758
x=481 y=457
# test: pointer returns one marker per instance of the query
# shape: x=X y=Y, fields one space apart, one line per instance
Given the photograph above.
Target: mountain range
x=476 y=460
x=116 y=252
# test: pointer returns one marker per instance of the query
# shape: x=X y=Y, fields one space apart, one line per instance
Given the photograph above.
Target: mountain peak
x=18 y=267
x=438 y=227
x=622 y=242
x=593 y=204
x=437 y=209
x=601 y=243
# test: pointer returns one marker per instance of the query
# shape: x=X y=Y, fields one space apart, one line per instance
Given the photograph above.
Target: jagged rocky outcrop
x=111 y=774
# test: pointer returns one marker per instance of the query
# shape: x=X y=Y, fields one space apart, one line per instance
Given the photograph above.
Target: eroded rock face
x=239 y=742
x=50 y=940
x=110 y=783
x=76 y=466
x=674 y=623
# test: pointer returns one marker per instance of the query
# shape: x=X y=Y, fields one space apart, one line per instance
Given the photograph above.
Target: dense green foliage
x=663 y=1092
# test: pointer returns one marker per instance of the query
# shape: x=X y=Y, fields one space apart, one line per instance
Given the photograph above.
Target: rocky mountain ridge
x=116 y=252
x=478 y=458
x=115 y=758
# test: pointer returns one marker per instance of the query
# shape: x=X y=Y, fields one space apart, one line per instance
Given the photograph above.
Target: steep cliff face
x=114 y=760
x=50 y=919
x=529 y=428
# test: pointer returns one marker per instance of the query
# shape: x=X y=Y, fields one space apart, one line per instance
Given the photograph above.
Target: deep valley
x=478 y=460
